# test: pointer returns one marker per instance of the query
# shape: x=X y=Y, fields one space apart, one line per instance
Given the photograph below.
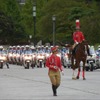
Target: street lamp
x=21 y=2
x=30 y=37
x=54 y=19
x=34 y=17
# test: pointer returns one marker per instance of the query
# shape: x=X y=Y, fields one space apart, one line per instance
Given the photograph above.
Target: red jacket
x=52 y=61
x=78 y=36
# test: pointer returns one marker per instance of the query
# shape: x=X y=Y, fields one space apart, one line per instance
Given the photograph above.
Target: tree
x=16 y=20
x=66 y=13
x=11 y=29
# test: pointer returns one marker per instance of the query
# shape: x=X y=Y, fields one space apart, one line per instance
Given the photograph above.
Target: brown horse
x=79 y=55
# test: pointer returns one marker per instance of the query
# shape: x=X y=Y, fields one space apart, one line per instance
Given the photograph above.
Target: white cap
x=32 y=47
x=1 y=47
x=99 y=46
x=10 y=46
x=46 y=46
x=27 y=46
x=18 y=46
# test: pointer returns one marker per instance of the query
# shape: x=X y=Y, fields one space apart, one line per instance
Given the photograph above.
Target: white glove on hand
x=55 y=67
x=76 y=42
x=62 y=73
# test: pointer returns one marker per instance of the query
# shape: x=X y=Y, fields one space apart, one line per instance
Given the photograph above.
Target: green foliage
x=16 y=21
x=11 y=31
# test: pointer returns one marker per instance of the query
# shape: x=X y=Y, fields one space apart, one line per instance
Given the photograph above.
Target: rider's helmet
x=27 y=47
x=38 y=47
x=99 y=49
x=22 y=47
x=1 y=47
x=18 y=47
x=42 y=46
x=98 y=46
x=14 y=47
x=46 y=47
x=92 y=46
x=32 y=47
x=10 y=47
x=51 y=46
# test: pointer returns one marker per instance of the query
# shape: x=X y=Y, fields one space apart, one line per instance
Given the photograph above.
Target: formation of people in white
x=33 y=56
x=21 y=54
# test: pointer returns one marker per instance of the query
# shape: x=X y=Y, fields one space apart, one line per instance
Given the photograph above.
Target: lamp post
x=21 y=2
x=30 y=37
x=54 y=19
x=34 y=18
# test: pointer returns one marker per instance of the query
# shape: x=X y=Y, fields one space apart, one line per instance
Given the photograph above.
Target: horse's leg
x=73 y=76
x=83 y=72
x=72 y=60
x=78 y=65
x=78 y=75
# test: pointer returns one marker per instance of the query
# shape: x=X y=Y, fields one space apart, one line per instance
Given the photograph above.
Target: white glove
x=76 y=42
x=62 y=73
x=55 y=67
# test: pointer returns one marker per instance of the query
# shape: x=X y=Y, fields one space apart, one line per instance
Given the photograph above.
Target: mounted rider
x=27 y=50
x=78 y=37
x=3 y=52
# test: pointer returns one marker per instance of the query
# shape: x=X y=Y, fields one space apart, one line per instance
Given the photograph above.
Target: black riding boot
x=54 y=90
x=73 y=51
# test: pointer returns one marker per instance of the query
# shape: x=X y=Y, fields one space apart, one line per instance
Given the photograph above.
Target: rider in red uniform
x=78 y=37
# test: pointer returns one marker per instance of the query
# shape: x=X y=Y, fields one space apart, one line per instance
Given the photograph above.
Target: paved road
x=19 y=83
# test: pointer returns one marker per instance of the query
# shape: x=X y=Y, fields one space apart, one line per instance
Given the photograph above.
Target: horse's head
x=84 y=42
x=83 y=48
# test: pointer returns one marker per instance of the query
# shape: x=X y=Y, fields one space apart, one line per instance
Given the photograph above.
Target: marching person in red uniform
x=54 y=64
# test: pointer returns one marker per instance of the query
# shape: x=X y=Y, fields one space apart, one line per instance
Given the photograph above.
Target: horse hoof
x=74 y=78
x=77 y=77
x=84 y=78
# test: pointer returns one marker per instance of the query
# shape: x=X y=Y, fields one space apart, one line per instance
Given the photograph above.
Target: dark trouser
x=55 y=79
x=7 y=65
